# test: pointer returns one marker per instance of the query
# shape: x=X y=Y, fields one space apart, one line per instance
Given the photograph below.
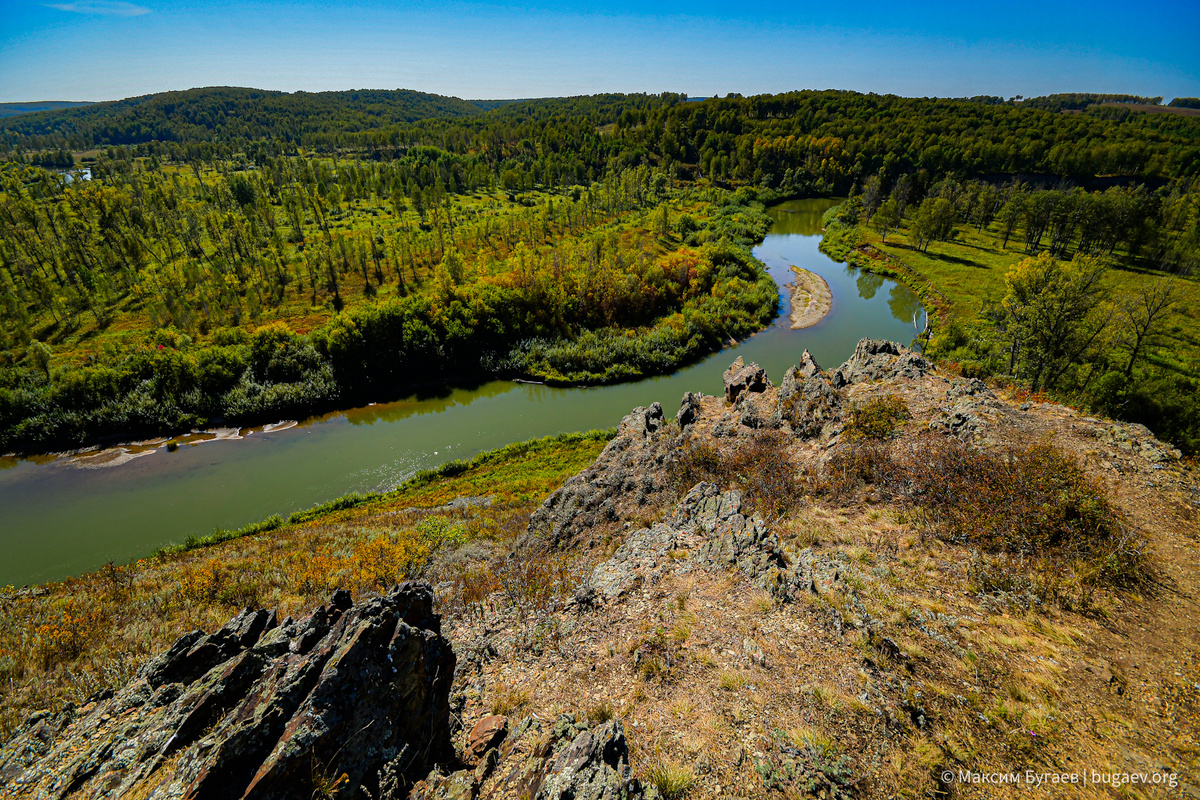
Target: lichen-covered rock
x=266 y=710
x=709 y=526
x=569 y=760
x=753 y=415
x=595 y=766
x=742 y=378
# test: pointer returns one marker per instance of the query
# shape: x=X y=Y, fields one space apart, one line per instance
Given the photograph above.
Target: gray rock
x=689 y=409
x=742 y=378
x=808 y=403
x=753 y=416
x=595 y=766
x=879 y=360
x=629 y=473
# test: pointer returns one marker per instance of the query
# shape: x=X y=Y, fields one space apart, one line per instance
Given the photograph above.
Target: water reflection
x=430 y=401
x=868 y=283
x=904 y=304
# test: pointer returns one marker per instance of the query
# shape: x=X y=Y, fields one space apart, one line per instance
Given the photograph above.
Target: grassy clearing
x=970 y=269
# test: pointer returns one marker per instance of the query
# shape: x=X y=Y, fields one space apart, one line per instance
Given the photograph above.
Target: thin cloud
x=101 y=8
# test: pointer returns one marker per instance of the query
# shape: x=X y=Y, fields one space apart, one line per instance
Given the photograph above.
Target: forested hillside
x=242 y=253
x=229 y=114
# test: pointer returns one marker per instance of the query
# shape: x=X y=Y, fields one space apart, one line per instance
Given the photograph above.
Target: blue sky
x=110 y=50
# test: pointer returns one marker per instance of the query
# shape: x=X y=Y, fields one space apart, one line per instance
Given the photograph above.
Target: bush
x=1035 y=505
x=878 y=418
x=761 y=469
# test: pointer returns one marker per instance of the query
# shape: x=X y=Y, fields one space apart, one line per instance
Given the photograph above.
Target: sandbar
x=811 y=298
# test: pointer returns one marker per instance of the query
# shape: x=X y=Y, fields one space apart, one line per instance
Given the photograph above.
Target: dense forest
x=240 y=253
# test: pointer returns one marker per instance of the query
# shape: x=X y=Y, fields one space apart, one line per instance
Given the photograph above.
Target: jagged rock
x=487 y=733
x=571 y=761
x=635 y=562
x=595 y=766
x=742 y=378
x=709 y=525
x=807 y=402
x=260 y=710
x=689 y=409
x=752 y=415
x=808 y=366
x=628 y=474
x=878 y=360
x=958 y=422
x=461 y=785
x=969 y=388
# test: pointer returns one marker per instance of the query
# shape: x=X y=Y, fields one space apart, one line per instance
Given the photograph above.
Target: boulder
x=689 y=409
x=742 y=378
x=487 y=733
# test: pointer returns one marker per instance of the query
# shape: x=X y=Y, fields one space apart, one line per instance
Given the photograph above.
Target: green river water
x=62 y=516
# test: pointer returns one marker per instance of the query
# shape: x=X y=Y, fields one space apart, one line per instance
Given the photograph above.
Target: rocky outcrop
x=742 y=378
x=689 y=409
x=808 y=402
x=875 y=360
x=570 y=760
x=355 y=695
x=628 y=474
x=709 y=527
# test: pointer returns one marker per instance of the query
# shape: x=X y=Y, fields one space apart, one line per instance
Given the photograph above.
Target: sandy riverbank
x=811 y=298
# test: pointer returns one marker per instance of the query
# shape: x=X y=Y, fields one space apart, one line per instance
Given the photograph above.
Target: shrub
x=382 y=561
x=855 y=464
x=68 y=636
x=761 y=468
x=878 y=418
x=202 y=583
x=1035 y=504
x=317 y=573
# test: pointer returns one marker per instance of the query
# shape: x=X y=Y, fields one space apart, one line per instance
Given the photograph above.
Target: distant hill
x=231 y=114
x=1078 y=101
x=13 y=109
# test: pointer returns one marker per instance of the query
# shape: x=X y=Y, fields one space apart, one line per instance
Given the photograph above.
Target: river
x=62 y=516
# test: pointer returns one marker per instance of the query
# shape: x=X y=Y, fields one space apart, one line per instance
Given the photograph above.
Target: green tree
x=886 y=219
x=1053 y=314
x=39 y=354
x=872 y=195
x=1142 y=317
x=934 y=222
